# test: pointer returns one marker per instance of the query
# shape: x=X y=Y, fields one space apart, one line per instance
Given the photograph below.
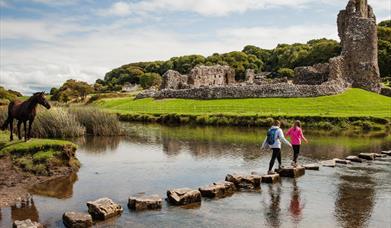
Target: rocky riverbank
x=23 y=164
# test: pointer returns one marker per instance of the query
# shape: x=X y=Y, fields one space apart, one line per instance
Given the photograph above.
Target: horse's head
x=40 y=96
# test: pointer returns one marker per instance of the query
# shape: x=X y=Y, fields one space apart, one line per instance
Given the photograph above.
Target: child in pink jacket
x=296 y=135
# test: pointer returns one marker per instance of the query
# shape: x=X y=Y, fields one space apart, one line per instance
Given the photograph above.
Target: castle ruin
x=357 y=66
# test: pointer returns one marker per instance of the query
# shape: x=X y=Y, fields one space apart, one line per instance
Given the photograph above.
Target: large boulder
x=104 y=208
x=183 y=196
x=77 y=219
x=145 y=202
x=218 y=190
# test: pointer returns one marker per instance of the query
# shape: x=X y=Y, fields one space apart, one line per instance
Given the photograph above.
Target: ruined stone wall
x=174 y=80
x=204 y=76
x=358 y=32
x=312 y=75
x=252 y=91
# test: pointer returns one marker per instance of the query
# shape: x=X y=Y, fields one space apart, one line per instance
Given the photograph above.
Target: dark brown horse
x=23 y=112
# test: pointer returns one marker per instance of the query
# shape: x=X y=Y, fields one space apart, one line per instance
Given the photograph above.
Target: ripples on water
x=155 y=158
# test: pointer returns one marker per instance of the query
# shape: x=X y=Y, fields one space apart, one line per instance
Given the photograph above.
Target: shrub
x=286 y=72
x=97 y=122
x=149 y=80
x=56 y=123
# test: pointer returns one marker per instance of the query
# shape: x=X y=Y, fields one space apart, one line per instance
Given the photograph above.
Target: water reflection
x=98 y=144
x=25 y=210
x=355 y=200
x=60 y=188
x=272 y=208
x=296 y=206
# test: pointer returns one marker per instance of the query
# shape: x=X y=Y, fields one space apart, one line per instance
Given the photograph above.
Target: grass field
x=352 y=103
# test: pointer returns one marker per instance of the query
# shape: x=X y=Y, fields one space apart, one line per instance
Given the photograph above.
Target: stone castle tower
x=357 y=30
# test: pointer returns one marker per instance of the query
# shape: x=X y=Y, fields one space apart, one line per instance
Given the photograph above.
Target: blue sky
x=45 y=42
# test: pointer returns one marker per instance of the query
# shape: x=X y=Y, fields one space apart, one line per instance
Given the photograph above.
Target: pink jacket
x=295 y=134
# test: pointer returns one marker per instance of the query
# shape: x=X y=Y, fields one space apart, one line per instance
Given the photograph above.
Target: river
x=155 y=158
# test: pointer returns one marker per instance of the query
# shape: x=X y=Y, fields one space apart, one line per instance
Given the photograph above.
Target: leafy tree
x=71 y=89
x=149 y=80
x=286 y=72
x=384 y=48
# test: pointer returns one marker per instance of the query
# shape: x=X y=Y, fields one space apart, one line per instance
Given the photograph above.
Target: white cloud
x=269 y=37
x=220 y=7
x=202 y=7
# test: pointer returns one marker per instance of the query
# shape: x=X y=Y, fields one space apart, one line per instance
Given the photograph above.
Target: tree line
x=280 y=61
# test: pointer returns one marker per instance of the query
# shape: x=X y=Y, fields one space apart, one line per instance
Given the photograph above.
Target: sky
x=45 y=42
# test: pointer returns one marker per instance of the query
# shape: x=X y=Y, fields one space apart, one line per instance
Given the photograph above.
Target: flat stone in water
x=183 y=196
x=271 y=178
x=311 y=167
x=354 y=158
x=387 y=152
x=152 y=202
x=244 y=182
x=342 y=161
x=367 y=156
x=26 y=224
x=219 y=189
x=328 y=163
x=104 y=208
x=76 y=219
x=292 y=172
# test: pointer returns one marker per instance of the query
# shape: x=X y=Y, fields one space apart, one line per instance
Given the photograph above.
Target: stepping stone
x=367 y=156
x=271 y=178
x=311 y=166
x=103 y=208
x=380 y=155
x=76 y=219
x=353 y=159
x=387 y=152
x=219 y=190
x=26 y=224
x=292 y=172
x=342 y=161
x=183 y=196
x=328 y=163
x=244 y=182
x=152 y=202
x=268 y=178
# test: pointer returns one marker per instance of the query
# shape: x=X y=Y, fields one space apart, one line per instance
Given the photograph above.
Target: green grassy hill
x=352 y=103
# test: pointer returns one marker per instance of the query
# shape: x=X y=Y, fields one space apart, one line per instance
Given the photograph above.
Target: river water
x=155 y=158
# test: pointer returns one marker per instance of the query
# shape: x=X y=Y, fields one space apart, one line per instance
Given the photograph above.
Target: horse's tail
x=8 y=120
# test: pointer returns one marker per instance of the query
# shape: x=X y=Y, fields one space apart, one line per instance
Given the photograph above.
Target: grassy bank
x=39 y=156
x=352 y=103
x=355 y=110
x=74 y=121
